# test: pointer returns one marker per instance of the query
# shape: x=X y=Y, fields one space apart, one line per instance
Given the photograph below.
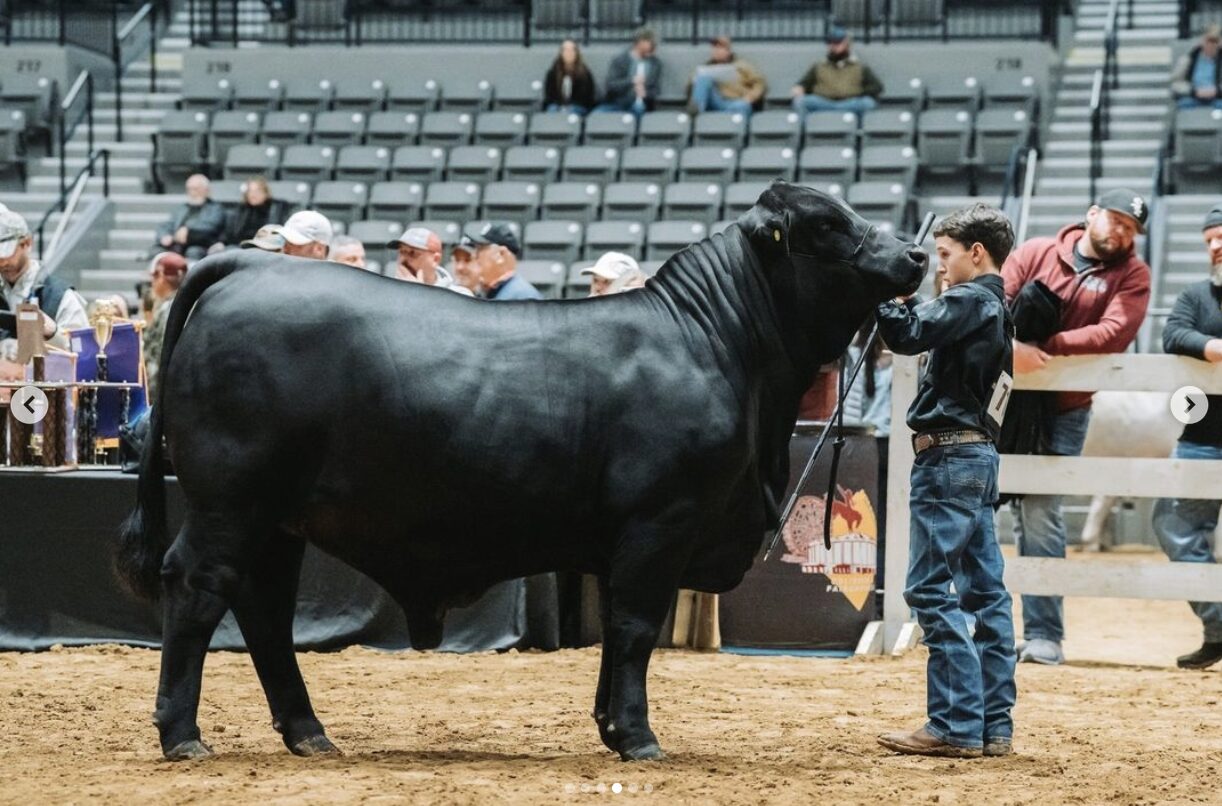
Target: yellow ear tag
x=776 y=235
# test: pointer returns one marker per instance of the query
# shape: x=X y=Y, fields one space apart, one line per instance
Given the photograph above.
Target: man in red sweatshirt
x=1104 y=289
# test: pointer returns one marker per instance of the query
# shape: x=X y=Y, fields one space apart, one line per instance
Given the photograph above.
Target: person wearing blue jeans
x=840 y=83
x=706 y=98
x=956 y=420
x=726 y=83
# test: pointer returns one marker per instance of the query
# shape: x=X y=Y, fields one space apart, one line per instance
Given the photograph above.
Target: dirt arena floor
x=1119 y=725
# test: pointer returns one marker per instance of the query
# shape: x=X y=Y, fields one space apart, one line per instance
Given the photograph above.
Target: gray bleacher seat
x=764 y=163
x=632 y=201
x=837 y=189
x=359 y=94
x=614 y=236
x=456 y=201
x=888 y=127
x=229 y=128
x=667 y=237
x=997 y=132
x=944 y=138
x=672 y=129
x=202 y=91
x=448 y=231
x=480 y=164
x=375 y=233
x=180 y=143
x=720 y=129
x=295 y=193
x=258 y=95
x=590 y=164
x=531 y=164
x=469 y=95
x=888 y=164
x=418 y=95
x=341 y=200
x=1197 y=139
x=554 y=129
x=251 y=159
x=918 y=12
x=393 y=129
x=308 y=94
x=879 y=202
x=776 y=128
x=284 y=129
x=692 y=201
x=577 y=285
x=1012 y=90
x=447 y=128
x=953 y=91
x=308 y=163
x=545 y=275
x=340 y=128
x=227 y=192
x=856 y=12
x=614 y=129
x=418 y=163
x=398 y=200
x=831 y=129
x=367 y=164
x=12 y=142
x=827 y=164
x=908 y=95
x=650 y=164
x=572 y=201
x=552 y=240
x=739 y=197
x=501 y=129
x=512 y=201
x=519 y=94
x=708 y=164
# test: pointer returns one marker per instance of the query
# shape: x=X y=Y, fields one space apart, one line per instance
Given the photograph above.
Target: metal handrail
x=1024 y=212
x=147 y=12
x=62 y=203
x=65 y=130
x=1096 y=132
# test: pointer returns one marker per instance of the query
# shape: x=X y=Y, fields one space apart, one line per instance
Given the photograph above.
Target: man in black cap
x=841 y=82
x=1185 y=525
x=496 y=259
x=1104 y=290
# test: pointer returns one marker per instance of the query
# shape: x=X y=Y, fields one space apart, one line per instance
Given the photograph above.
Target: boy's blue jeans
x=970 y=677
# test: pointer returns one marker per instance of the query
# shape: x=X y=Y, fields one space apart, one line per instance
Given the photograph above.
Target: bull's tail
x=144 y=538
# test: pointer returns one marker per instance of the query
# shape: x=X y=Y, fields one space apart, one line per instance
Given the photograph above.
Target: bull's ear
x=766 y=228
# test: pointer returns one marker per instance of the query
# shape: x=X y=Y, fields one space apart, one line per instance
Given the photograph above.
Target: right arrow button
x=1189 y=405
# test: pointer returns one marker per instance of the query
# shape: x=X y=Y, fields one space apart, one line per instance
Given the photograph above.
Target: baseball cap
x=307 y=226
x=497 y=233
x=12 y=229
x=1213 y=218
x=465 y=245
x=835 y=35
x=267 y=238
x=612 y=266
x=1127 y=202
x=421 y=238
x=172 y=264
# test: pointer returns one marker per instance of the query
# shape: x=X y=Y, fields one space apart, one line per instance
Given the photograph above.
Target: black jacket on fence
x=1197 y=318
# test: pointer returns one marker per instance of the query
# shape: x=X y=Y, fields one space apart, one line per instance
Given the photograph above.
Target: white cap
x=12 y=229
x=308 y=226
x=612 y=266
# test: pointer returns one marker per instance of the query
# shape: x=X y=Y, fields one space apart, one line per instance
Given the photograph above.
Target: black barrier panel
x=805 y=596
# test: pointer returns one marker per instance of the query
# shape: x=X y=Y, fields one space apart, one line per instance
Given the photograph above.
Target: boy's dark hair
x=645 y=35
x=979 y=223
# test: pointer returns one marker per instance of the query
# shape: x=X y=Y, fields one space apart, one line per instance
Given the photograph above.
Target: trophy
x=103 y=321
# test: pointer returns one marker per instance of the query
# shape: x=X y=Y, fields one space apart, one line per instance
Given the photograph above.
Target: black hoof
x=318 y=745
x=645 y=752
x=190 y=750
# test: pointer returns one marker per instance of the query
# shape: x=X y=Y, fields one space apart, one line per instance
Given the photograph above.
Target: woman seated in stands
x=257 y=209
x=568 y=86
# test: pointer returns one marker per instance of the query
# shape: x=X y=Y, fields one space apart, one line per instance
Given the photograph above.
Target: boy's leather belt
x=940 y=439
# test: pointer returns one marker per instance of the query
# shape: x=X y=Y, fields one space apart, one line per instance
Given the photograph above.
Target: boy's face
x=957 y=263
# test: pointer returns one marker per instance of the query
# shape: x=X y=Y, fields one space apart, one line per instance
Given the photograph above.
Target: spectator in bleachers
x=194 y=225
x=306 y=234
x=1184 y=525
x=347 y=250
x=420 y=260
x=268 y=238
x=634 y=77
x=1196 y=79
x=166 y=274
x=839 y=82
x=464 y=267
x=496 y=257
x=257 y=210
x=569 y=86
x=726 y=83
x=1104 y=290
x=608 y=270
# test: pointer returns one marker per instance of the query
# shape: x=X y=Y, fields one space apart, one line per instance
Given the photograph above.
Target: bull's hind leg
x=602 y=697
x=200 y=577
x=264 y=609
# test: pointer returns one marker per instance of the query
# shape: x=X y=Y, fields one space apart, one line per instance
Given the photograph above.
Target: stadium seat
x=401 y=201
x=909 y=95
x=888 y=127
x=552 y=240
x=836 y=189
x=227 y=192
x=880 y=202
x=308 y=95
x=179 y=145
x=590 y=164
x=831 y=129
x=341 y=201
x=765 y=163
x=667 y=129
x=340 y=129
x=572 y=201
x=720 y=129
x=512 y=201
x=776 y=128
x=944 y=138
x=1011 y=90
x=545 y=275
x=418 y=163
x=554 y=129
x=374 y=234
x=827 y=164
x=519 y=94
x=447 y=129
x=258 y=96
x=649 y=164
x=250 y=159
x=502 y=129
x=614 y=236
x=720 y=226
x=448 y=231
x=953 y=91
x=1197 y=138
x=888 y=164
x=456 y=201
x=997 y=132
x=632 y=201
x=359 y=94
x=531 y=164
x=413 y=95
x=283 y=129
x=692 y=201
x=667 y=237
x=393 y=129
x=201 y=91
x=480 y=164
x=741 y=197
x=229 y=129
x=610 y=129
x=308 y=163
x=471 y=96
x=708 y=164
x=35 y=96
x=367 y=164
x=296 y=194
x=577 y=286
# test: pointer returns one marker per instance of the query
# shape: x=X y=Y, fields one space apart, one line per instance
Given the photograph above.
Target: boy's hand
x=1028 y=357
x=1213 y=350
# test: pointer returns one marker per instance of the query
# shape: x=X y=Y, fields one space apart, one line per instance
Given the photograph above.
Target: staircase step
x=144 y=220
x=138 y=114
x=138 y=100
x=1153 y=94
x=1154 y=77
x=1111 y=164
x=133 y=149
x=131 y=239
x=1118 y=111
x=1134 y=55
x=1088 y=22
x=50 y=183
x=1120 y=129
x=1110 y=147
x=1142 y=35
x=1070 y=184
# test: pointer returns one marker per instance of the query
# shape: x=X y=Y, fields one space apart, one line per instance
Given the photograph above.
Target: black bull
x=441 y=444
